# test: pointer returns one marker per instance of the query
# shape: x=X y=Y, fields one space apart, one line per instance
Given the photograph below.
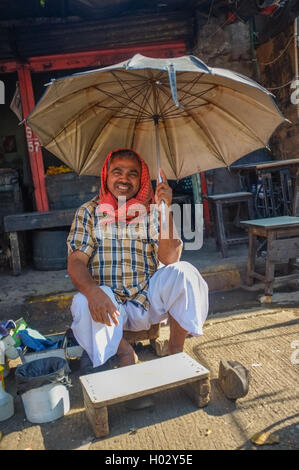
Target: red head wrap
x=145 y=195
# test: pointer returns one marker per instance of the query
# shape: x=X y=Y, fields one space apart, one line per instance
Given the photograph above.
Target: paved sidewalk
x=220 y=273
x=261 y=339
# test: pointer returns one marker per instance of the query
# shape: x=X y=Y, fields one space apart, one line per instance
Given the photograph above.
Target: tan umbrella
x=192 y=117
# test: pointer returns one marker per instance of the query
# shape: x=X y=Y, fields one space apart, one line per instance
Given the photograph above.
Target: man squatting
x=120 y=283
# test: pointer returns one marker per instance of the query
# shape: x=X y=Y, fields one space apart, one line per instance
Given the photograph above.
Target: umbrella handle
x=163 y=214
x=156 y=119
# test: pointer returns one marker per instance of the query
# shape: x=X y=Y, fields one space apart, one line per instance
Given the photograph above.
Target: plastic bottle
x=6 y=403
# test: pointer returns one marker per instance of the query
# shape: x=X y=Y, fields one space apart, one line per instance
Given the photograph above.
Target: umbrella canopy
x=205 y=117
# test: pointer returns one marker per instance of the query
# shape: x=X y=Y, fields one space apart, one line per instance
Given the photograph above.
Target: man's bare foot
x=126 y=354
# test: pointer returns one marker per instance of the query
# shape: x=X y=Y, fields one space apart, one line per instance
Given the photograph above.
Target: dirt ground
x=262 y=339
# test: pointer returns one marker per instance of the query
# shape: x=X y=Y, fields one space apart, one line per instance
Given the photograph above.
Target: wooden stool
x=160 y=344
x=217 y=202
x=282 y=236
x=103 y=389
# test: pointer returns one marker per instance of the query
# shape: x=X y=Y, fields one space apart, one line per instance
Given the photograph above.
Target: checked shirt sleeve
x=80 y=236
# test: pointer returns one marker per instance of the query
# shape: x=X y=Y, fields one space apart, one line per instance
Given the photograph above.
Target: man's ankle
x=173 y=349
x=126 y=354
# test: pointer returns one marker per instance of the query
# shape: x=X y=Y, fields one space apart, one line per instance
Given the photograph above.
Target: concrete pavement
x=238 y=328
x=260 y=339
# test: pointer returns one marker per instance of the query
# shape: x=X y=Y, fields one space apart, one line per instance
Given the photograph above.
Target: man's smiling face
x=123 y=177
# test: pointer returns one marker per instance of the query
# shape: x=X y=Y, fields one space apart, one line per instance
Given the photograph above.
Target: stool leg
x=250 y=208
x=199 y=392
x=220 y=229
x=270 y=267
x=215 y=229
x=160 y=346
x=98 y=417
x=15 y=253
x=251 y=257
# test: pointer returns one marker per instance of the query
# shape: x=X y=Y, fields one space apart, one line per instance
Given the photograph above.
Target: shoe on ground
x=233 y=379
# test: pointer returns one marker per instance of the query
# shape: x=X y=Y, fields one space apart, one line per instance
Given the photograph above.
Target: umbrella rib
x=123 y=104
x=237 y=119
x=199 y=95
x=192 y=83
x=169 y=96
x=137 y=120
x=147 y=100
x=167 y=112
x=169 y=146
x=118 y=109
x=209 y=137
x=213 y=144
x=175 y=115
x=137 y=77
x=88 y=109
x=129 y=97
x=185 y=92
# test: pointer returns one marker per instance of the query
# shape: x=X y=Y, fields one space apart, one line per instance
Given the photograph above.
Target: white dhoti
x=177 y=289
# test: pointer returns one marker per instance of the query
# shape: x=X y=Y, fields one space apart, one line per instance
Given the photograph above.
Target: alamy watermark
x=185 y=224
x=295 y=95
x=2 y=92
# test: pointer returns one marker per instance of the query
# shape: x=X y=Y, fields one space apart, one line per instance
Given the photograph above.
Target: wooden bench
x=33 y=221
x=102 y=389
x=282 y=237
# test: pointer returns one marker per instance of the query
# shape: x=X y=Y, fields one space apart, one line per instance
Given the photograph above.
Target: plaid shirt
x=121 y=259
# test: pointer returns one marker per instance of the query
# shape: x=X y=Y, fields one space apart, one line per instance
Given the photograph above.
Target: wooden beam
x=34 y=149
x=38 y=220
x=96 y=58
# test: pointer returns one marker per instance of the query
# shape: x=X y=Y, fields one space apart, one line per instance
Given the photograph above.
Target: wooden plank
x=256 y=275
x=283 y=250
x=278 y=163
x=15 y=253
x=125 y=383
x=98 y=417
x=270 y=266
x=270 y=164
x=199 y=392
x=287 y=232
x=288 y=277
x=134 y=336
x=234 y=241
x=272 y=222
x=118 y=32
x=251 y=258
x=38 y=220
